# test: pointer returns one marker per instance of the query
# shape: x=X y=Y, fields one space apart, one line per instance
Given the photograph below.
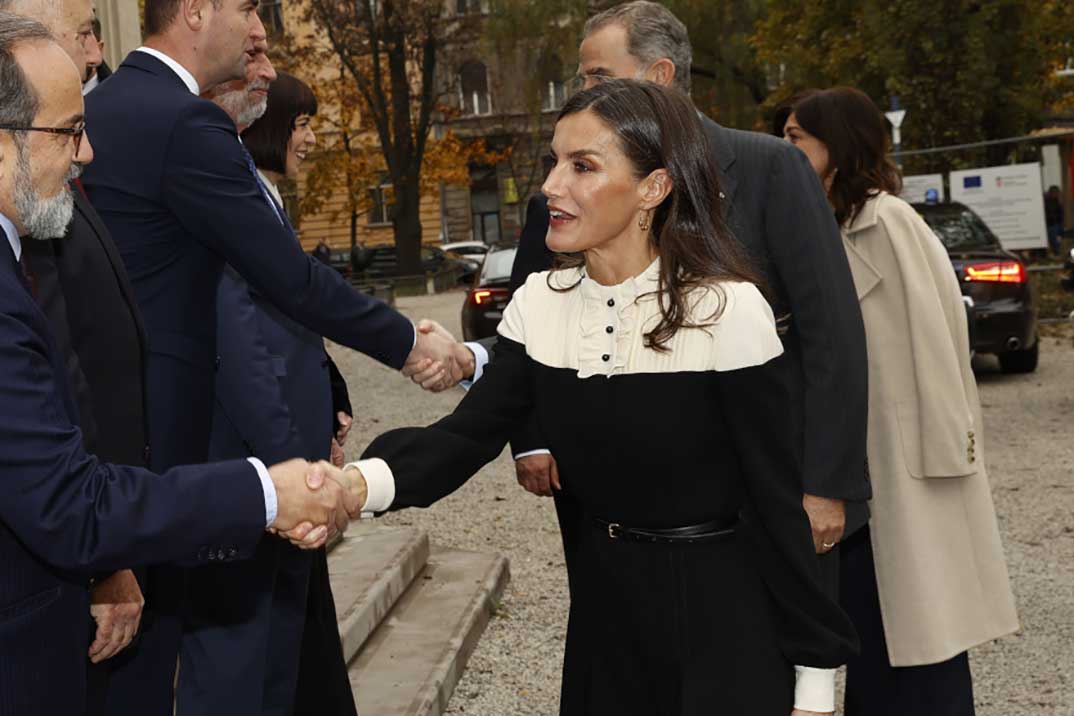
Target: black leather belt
x=704 y=532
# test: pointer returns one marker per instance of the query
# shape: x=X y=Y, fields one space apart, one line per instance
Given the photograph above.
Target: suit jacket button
x=147 y=453
x=216 y=363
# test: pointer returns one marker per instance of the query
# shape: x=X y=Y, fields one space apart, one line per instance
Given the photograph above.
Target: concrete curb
x=370 y=570
x=413 y=661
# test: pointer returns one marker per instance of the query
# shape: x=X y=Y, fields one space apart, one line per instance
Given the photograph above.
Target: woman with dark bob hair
x=282 y=138
x=926 y=579
x=651 y=360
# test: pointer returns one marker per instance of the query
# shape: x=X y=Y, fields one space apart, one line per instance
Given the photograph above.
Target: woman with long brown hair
x=926 y=579
x=652 y=363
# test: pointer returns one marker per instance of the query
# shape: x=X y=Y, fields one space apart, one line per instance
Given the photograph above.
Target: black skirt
x=670 y=630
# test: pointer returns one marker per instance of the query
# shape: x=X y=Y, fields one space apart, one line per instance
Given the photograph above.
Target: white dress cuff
x=379 y=484
x=272 y=506
x=814 y=689
x=539 y=451
x=481 y=359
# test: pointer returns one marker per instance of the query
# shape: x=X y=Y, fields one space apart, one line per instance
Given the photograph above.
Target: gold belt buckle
x=613 y=528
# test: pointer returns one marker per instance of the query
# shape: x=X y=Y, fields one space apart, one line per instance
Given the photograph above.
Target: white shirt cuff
x=481 y=359
x=540 y=451
x=379 y=484
x=271 y=504
x=814 y=689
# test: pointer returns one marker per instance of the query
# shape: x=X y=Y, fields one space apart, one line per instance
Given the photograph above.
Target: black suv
x=1000 y=301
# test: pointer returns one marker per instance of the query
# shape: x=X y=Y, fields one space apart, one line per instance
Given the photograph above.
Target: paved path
x=515 y=670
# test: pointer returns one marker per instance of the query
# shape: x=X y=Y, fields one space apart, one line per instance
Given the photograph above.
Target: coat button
x=609 y=329
x=605 y=357
x=611 y=303
x=216 y=363
x=147 y=453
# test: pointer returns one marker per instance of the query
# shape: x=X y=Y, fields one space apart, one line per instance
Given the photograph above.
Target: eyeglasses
x=76 y=131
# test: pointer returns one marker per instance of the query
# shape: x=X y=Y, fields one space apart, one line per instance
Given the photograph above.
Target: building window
x=474 y=89
x=553 y=87
x=271 y=12
x=485 y=205
x=382 y=201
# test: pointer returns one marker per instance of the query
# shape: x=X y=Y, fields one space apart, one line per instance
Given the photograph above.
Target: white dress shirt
x=90 y=84
x=12 y=236
x=184 y=73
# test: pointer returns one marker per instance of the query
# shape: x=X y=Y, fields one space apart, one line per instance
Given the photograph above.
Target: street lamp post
x=896 y=116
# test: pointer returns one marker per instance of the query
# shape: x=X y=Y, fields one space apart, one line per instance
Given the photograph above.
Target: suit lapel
x=725 y=158
x=865 y=274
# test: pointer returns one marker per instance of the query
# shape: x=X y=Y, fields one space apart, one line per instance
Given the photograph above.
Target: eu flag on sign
x=971 y=182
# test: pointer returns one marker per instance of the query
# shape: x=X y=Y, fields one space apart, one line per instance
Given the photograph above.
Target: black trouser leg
x=874 y=687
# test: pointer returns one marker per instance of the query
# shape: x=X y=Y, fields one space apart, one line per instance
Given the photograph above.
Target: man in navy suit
x=64 y=514
x=243 y=631
x=179 y=194
x=83 y=288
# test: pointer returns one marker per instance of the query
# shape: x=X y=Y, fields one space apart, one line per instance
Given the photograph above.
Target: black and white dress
x=652 y=439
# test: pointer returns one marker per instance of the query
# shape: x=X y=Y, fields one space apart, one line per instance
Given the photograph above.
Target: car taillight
x=486 y=296
x=997 y=272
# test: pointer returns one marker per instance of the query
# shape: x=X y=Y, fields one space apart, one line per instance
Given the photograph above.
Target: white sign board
x=1009 y=199
x=915 y=186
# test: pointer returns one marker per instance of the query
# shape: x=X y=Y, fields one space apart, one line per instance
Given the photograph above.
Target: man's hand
x=827 y=517
x=355 y=492
x=435 y=374
x=345 y=422
x=538 y=474
x=304 y=493
x=116 y=605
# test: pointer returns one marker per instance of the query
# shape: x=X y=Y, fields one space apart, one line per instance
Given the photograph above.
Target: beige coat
x=940 y=567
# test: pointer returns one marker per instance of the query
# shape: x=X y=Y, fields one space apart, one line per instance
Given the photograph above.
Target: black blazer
x=776 y=208
x=178 y=193
x=64 y=514
x=83 y=288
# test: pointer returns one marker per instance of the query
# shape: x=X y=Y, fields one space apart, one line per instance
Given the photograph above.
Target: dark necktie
x=264 y=189
x=26 y=275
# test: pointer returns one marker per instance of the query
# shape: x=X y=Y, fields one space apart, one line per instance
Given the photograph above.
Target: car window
x=960 y=229
x=498 y=265
x=470 y=250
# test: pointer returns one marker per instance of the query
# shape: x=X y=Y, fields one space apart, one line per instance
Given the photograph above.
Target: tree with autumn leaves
x=376 y=66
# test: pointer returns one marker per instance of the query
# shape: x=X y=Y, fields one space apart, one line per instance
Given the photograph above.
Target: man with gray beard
x=82 y=286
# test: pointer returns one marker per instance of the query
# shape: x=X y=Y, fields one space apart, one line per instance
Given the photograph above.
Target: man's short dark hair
x=96 y=28
x=159 y=14
x=18 y=99
x=266 y=139
x=653 y=33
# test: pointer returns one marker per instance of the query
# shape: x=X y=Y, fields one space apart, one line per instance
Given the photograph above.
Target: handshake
x=314 y=501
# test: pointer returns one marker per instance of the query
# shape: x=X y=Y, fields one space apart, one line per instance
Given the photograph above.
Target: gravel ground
x=515 y=670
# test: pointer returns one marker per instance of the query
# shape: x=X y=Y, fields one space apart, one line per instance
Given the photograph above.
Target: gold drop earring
x=643 y=222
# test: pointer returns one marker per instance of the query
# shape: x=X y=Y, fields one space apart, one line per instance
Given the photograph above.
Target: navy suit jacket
x=175 y=188
x=273 y=396
x=64 y=514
